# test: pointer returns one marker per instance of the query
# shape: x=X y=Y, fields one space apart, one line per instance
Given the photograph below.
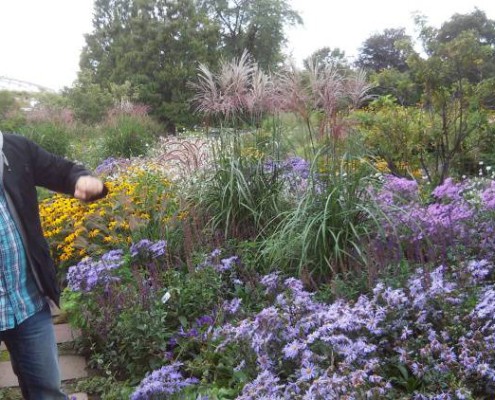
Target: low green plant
x=128 y=135
x=52 y=136
x=105 y=387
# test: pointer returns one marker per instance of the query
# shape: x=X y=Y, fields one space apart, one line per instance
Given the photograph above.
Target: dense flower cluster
x=75 y=229
x=89 y=273
x=458 y=214
x=162 y=383
x=309 y=350
x=294 y=172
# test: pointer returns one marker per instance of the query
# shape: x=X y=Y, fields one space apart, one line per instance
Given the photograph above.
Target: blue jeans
x=34 y=356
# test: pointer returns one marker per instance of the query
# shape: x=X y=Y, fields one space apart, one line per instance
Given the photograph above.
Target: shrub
x=434 y=337
x=129 y=132
x=53 y=137
x=456 y=220
x=135 y=307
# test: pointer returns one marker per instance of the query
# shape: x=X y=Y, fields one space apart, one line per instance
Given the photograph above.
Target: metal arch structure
x=23 y=85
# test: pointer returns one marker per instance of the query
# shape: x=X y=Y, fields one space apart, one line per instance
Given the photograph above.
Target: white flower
x=166 y=297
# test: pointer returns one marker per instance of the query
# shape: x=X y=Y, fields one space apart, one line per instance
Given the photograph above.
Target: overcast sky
x=41 y=40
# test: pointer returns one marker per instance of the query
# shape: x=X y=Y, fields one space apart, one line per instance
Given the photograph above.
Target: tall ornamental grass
x=324 y=234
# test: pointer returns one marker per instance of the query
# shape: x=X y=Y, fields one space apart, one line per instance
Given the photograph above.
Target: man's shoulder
x=14 y=137
x=17 y=141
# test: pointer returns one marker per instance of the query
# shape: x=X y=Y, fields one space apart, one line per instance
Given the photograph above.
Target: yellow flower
x=94 y=233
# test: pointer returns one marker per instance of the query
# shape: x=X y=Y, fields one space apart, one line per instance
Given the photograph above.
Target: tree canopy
x=389 y=49
x=157 y=45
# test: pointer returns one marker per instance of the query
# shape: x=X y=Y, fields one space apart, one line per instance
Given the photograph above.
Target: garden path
x=73 y=367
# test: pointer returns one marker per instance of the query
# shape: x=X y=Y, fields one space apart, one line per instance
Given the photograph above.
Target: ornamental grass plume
x=240 y=86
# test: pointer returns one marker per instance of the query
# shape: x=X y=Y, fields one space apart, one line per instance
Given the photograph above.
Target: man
x=27 y=272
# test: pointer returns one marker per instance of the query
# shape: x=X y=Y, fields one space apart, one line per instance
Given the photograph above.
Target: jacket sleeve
x=54 y=172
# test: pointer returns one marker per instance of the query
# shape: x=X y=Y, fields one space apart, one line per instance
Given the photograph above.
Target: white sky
x=41 y=40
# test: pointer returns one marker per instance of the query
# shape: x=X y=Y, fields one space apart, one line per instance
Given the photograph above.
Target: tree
x=253 y=25
x=156 y=45
x=8 y=103
x=386 y=50
x=326 y=57
x=476 y=22
x=473 y=35
x=89 y=101
x=454 y=95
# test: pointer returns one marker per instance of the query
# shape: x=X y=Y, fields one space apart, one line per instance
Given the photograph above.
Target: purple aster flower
x=162 y=382
x=232 y=306
x=307 y=372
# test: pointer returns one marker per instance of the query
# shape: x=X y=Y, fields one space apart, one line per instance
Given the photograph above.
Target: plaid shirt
x=19 y=295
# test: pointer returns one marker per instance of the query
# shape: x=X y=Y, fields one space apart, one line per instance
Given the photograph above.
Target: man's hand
x=89 y=188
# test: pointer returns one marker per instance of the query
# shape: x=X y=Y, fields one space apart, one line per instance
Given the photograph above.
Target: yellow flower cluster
x=75 y=229
x=251 y=153
x=382 y=166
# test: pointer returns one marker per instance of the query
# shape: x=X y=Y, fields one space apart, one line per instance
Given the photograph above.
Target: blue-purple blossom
x=162 y=383
x=89 y=273
x=400 y=322
x=109 y=165
x=232 y=306
x=147 y=247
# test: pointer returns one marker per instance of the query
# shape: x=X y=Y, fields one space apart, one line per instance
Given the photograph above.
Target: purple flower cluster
x=294 y=172
x=146 y=247
x=162 y=383
x=109 y=166
x=310 y=350
x=459 y=215
x=219 y=264
x=88 y=273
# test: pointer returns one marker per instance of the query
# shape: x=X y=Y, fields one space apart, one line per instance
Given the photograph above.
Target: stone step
x=63 y=334
x=71 y=367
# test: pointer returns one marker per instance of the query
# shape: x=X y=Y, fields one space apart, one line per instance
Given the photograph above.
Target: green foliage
x=11 y=117
x=128 y=325
x=256 y=26
x=52 y=136
x=8 y=103
x=393 y=134
x=128 y=135
x=241 y=197
x=322 y=236
x=327 y=56
x=153 y=44
x=106 y=387
x=89 y=101
x=401 y=85
x=389 y=49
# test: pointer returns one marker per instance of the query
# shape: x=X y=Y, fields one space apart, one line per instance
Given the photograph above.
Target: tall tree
x=155 y=45
x=454 y=78
x=253 y=25
x=326 y=57
x=477 y=22
x=389 y=49
x=470 y=37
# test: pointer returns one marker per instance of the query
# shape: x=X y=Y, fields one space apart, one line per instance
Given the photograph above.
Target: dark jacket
x=26 y=165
